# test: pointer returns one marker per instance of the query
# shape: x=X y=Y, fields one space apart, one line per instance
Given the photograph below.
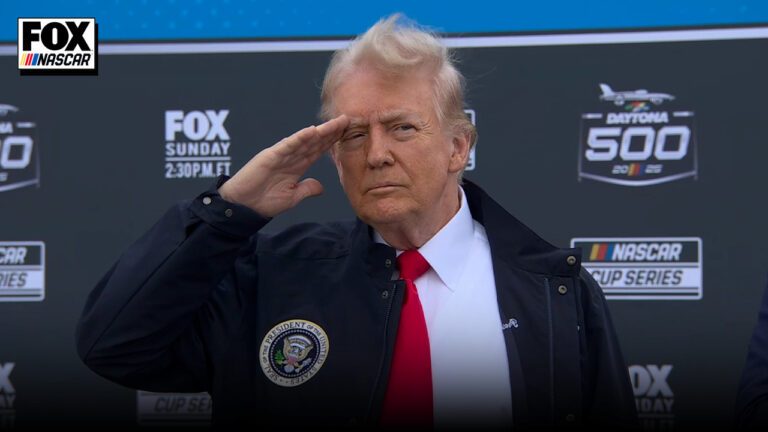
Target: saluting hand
x=270 y=182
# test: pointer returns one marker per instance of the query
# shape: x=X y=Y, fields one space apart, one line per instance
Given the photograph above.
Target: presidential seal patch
x=293 y=351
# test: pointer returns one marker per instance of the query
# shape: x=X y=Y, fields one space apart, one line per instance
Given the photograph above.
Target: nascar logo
x=632 y=251
x=38 y=59
x=644 y=268
x=22 y=271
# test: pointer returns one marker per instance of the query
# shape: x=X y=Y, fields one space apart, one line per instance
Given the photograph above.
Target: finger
x=303 y=137
x=324 y=135
x=308 y=187
x=331 y=132
x=297 y=143
x=313 y=141
x=333 y=127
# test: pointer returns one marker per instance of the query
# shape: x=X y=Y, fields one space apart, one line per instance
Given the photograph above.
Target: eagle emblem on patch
x=293 y=351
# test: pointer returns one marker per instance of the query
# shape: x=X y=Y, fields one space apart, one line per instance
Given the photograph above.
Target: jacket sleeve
x=609 y=399
x=752 y=397
x=152 y=321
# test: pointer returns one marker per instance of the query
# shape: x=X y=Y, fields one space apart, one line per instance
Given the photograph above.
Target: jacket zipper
x=383 y=357
x=551 y=353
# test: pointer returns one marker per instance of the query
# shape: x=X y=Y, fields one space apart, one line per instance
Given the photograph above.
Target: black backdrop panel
x=101 y=145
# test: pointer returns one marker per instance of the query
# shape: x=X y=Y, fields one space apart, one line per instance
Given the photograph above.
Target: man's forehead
x=384 y=117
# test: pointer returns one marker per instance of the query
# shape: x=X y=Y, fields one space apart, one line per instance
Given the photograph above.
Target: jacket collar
x=514 y=242
x=510 y=240
x=378 y=258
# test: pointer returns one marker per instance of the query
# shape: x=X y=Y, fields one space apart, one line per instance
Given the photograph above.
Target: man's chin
x=382 y=212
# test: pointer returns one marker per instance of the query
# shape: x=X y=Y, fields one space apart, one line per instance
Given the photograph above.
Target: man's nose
x=379 y=151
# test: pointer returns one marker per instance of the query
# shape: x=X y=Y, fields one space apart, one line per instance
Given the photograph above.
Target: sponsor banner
x=471 y=161
x=19 y=154
x=638 y=138
x=196 y=144
x=170 y=409
x=654 y=398
x=644 y=268
x=22 y=271
x=57 y=44
x=7 y=397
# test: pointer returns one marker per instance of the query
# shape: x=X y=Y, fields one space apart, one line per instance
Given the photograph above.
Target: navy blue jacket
x=186 y=309
x=752 y=398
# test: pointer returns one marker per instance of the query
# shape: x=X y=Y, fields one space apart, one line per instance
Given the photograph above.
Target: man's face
x=395 y=162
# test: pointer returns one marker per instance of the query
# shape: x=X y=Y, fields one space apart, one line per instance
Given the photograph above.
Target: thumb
x=308 y=187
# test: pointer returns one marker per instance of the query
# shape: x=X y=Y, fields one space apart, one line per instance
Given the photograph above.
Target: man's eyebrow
x=356 y=122
x=385 y=117
x=389 y=117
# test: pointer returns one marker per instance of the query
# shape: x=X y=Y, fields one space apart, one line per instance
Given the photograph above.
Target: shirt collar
x=446 y=252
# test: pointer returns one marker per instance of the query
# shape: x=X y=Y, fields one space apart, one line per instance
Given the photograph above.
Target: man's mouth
x=383 y=187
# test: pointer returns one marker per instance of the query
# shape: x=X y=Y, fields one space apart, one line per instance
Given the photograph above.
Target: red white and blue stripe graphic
x=29 y=59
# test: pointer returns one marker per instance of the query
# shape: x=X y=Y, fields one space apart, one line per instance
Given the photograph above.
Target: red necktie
x=408 y=402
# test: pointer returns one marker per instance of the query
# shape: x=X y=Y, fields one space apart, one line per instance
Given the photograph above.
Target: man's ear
x=460 y=152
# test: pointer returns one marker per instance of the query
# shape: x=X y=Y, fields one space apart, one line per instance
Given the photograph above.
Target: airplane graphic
x=619 y=97
x=5 y=109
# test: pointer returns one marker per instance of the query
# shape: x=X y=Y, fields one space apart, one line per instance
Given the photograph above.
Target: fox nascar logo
x=644 y=268
x=22 y=271
x=19 y=159
x=654 y=398
x=196 y=144
x=637 y=138
x=57 y=44
x=173 y=409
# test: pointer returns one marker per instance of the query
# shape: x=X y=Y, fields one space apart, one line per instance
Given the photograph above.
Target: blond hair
x=397 y=46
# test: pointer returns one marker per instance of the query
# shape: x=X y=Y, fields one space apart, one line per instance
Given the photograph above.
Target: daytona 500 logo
x=635 y=142
x=19 y=154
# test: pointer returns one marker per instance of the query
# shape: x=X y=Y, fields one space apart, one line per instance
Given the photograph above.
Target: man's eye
x=404 y=129
x=353 y=136
x=352 y=141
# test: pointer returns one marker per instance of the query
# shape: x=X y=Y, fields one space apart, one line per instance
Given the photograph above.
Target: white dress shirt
x=470 y=374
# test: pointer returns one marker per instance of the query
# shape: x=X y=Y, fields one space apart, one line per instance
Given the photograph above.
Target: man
x=332 y=325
